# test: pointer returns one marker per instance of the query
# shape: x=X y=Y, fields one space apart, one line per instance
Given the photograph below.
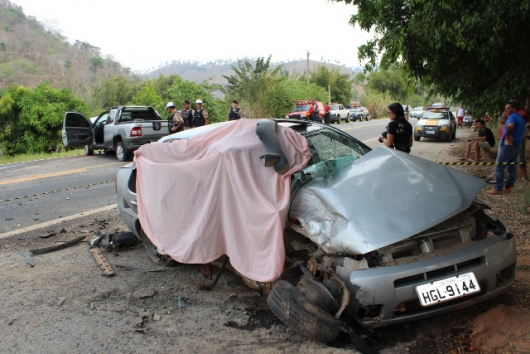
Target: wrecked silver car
x=376 y=235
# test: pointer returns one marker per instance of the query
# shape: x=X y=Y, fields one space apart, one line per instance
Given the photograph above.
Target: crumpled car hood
x=382 y=198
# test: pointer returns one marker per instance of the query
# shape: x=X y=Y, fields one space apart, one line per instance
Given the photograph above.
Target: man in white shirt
x=460 y=115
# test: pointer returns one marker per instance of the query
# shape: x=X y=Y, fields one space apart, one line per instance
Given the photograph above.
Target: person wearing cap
x=175 y=121
x=200 y=115
x=186 y=113
x=235 y=112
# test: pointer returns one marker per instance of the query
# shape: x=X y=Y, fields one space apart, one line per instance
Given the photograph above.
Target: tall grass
x=39 y=156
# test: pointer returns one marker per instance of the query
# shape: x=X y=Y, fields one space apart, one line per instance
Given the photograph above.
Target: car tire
x=347 y=118
x=338 y=119
x=88 y=150
x=417 y=137
x=449 y=137
x=122 y=154
x=293 y=309
x=454 y=134
x=154 y=256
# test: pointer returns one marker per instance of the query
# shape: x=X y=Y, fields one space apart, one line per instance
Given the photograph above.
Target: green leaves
x=31 y=120
x=466 y=49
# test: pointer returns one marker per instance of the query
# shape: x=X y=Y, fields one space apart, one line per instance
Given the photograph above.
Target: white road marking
x=58 y=221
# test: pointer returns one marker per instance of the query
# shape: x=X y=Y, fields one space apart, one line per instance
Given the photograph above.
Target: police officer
x=200 y=115
x=235 y=112
x=175 y=121
x=187 y=113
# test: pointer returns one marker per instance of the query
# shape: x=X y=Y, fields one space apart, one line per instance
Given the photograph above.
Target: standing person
x=522 y=155
x=235 y=112
x=399 y=130
x=407 y=114
x=460 y=115
x=502 y=119
x=314 y=112
x=485 y=141
x=175 y=121
x=186 y=113
x=326 y=113
x=200 y=115
x=510 y=144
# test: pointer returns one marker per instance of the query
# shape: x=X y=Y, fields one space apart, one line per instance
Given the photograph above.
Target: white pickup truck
x=121 y=129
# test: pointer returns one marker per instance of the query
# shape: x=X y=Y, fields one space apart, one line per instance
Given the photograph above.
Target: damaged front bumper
x=386 y=295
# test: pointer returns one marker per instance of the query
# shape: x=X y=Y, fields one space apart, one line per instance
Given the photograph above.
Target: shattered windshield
x=330 y=153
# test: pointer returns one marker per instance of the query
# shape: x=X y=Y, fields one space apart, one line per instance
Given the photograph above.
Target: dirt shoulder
x=65 y=304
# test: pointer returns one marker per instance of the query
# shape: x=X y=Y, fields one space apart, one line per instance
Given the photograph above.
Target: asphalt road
x=43 y=193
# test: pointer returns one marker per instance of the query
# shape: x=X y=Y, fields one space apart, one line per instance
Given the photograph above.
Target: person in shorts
x=460 y=115
x=485 y=141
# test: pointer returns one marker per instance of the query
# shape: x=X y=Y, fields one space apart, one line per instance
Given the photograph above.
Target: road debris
x=102 y=261
x=60 y=301
x=57 y=248
x=182 y=301
x=141 y=270
x=144 y=293
x=30 y=259
x=97 y=239
x=48 y=235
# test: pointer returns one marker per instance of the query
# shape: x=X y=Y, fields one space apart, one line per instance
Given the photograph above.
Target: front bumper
x=388 y=294
x=432 y=132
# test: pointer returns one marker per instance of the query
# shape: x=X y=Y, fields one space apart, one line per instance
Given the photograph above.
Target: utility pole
x=307 y=67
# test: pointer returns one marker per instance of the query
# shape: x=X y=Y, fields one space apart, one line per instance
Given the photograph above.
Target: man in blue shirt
x=510 y=144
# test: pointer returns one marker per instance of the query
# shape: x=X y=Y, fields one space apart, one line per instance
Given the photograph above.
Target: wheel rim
x=120 y=152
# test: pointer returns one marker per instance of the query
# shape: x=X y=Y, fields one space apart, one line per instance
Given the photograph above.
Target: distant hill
x=213 y=71
x=32 y=52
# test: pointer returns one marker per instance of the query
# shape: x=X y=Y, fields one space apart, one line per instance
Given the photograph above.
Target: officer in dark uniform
x=187 y=113
x=235 y=112
x=200 y=115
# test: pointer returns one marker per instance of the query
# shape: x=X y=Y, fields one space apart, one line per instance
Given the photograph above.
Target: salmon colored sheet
x=210 y=196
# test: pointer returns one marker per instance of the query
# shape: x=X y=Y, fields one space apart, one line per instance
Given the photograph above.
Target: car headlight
x=418 y=128
x=444 y=128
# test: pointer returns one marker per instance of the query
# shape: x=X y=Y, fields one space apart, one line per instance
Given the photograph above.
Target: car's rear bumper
x=391 y=290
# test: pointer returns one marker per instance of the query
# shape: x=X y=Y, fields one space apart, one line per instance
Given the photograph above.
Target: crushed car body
x=379 y=235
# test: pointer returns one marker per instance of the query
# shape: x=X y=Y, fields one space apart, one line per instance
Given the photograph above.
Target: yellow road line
x=51 y=174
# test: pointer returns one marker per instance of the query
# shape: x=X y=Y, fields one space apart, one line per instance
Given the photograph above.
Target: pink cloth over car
x=210 y=196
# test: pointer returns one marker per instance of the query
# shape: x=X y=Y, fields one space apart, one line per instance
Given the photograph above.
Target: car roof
x=302 y=127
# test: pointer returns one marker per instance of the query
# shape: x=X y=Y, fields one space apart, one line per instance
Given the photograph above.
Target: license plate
x=447 y=289
x=430 y=132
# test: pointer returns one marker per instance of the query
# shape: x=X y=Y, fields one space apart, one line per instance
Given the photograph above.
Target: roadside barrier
x=469 y=163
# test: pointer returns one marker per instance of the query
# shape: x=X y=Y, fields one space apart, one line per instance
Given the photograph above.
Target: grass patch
x=32 y=157
x=524 y=198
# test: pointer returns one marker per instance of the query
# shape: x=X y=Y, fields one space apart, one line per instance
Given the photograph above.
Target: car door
x=77 y=130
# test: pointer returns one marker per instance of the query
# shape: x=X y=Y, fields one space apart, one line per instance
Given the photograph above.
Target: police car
x=436 y=123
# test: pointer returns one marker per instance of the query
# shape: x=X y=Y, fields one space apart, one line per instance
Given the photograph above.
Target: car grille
x=296 y=116
x=430 y=242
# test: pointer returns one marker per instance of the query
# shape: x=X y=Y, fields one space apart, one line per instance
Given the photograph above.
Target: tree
x=147 y=96
x=389 y=82
x=31 y=120
x=340 y=84
x=251 y=84
x=470 y=50
x=96 y=62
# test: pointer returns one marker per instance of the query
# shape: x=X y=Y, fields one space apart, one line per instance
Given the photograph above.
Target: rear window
x=136 y=114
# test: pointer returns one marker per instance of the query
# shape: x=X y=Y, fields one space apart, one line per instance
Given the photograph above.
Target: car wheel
x=154 y=256
x=417 y=137
x=454 y=134
x=88 y=150
x=300 y=315
x=338 y=119
x=448 y=137
x=347 y=118
x=121 y=153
